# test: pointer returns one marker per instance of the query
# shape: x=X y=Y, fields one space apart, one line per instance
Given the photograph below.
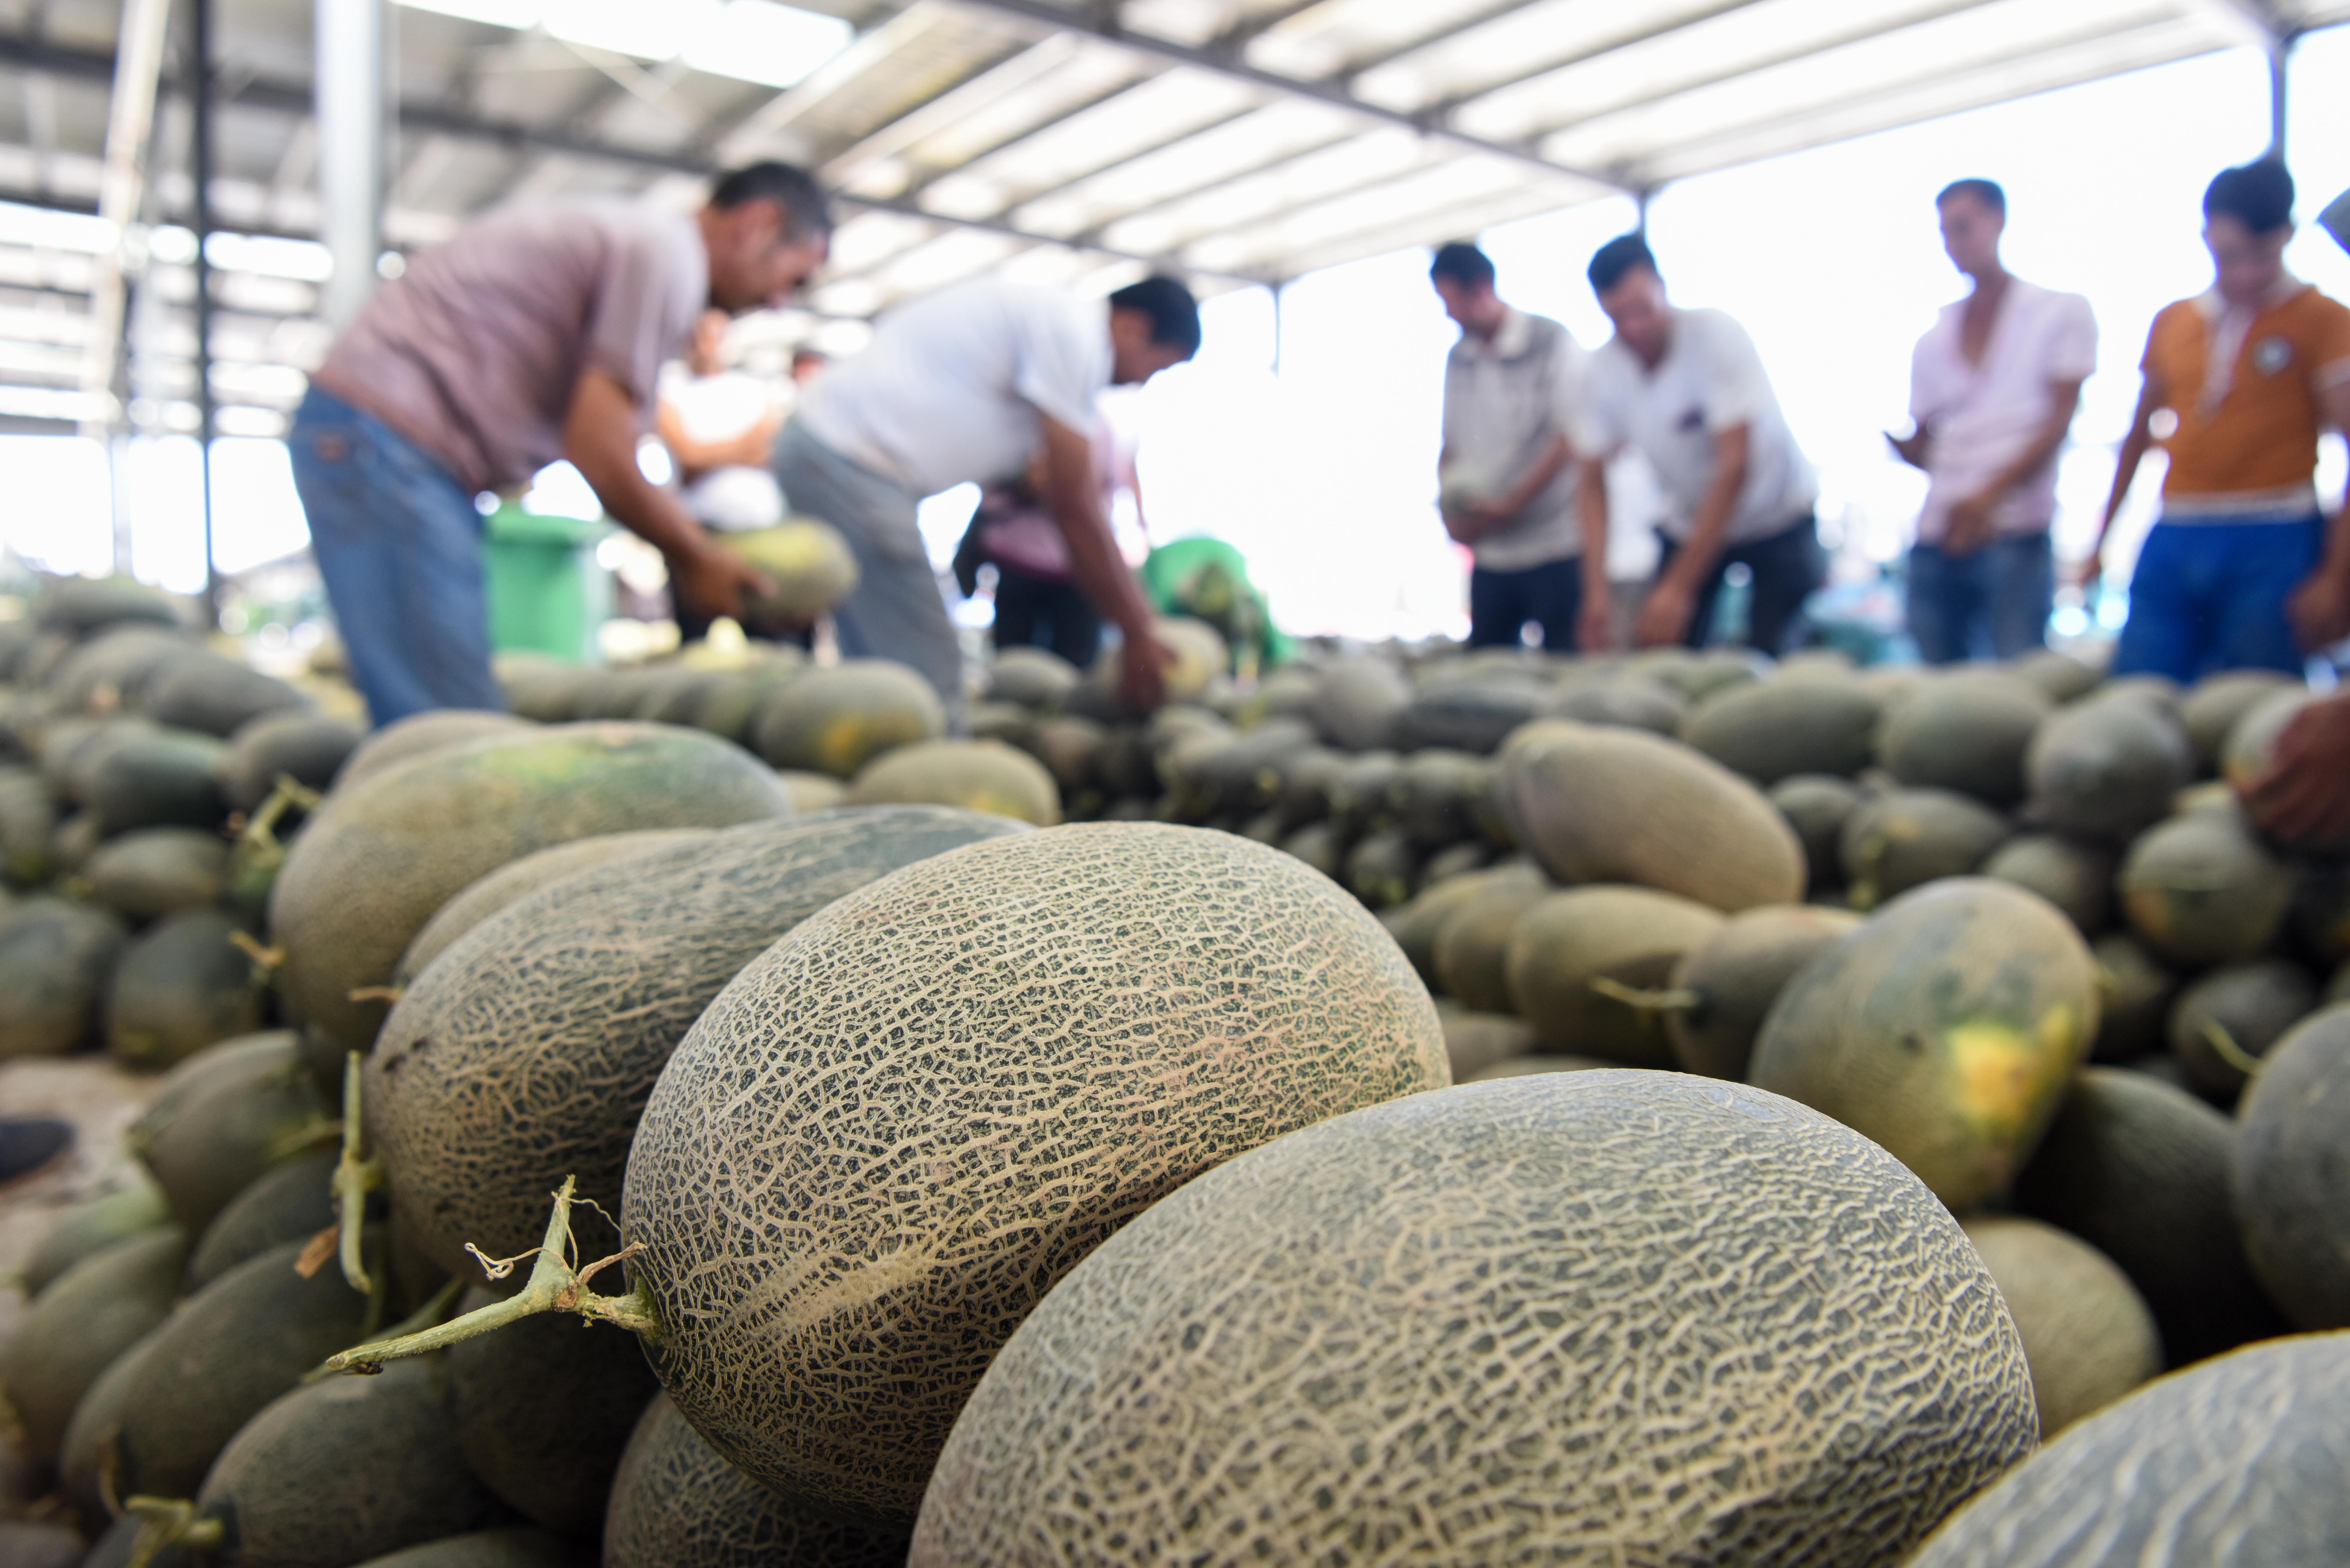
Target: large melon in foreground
x=885 y=1140
x=523 y=1055
x=1945 y=1028
x=378 y=858
x=1619 y=1318
x=2238 y=1462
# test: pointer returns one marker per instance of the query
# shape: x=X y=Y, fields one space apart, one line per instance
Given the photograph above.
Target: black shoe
x=29 y=1143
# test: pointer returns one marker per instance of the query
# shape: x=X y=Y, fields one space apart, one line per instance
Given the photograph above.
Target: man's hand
x=2302 y=796
x=713 y=581
x=753 y=448
x=2320 y=609
x=1665 y=614
x=1594 y=623
x=1142 y=661
x=2085 y=572
x=1911 y=448
x=1969 y=524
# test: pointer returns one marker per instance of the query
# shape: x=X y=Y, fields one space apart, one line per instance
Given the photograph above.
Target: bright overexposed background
x=1306 y=432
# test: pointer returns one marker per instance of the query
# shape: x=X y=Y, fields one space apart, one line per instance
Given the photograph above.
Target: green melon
x=2234 y=1013
x=1906 y=839
x=1576 y=955
x=90 y=1227
x=1619 y=806
x=1476 y=1041
x=111 y=672
x=1071 y=750
x=1452 y=862
x=1471 y=953
x=2253 y=739
x=1945 y=1028
x=1720 y=994
x=1381 y=868
x=28 y=823
x=2106 y=768
x=378 y=860
x=308 y=748
x=2137 y=992
x=290 y=1201
x=55 y=957
x=2076 y=876
x=1363 y=793
x=1442 y=797
x=157 y=871
x=2238 y=1461
x=1527 y=1067
x=1423 y=919
x=1817 y=807
x=518 y=880
x=1966 y=732
x=417 y=734
x=99 y=1309
x=905 y=1120
x=2088 y=1332
x=1316 y=843
x=491 y=1549
x=553 y=694
x=1200 y=658
x=1626 y=703
x=1473 y=713
x=1357 y=703
x=974 y=775
x=810 y=564
x=2292 y=1189
x=1491 y=1325
x=181 y=985
x=2201 y=890
x=159 y=778
x=79 y=605
x=221 y=1117
x=1773 y=730
x=525 y=1053
x=542 y=1410
x=2059 y=676
x=2215 y=704
x=836 y=720
x=677 y=1503
x=1034 y=677
x=88 y=1460
x=2141 y=1170
x=215 y=695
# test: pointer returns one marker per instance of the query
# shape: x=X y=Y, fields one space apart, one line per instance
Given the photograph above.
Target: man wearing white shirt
x=966 y=385
x=1506 y=475
x=1687 y=390
x=1993 y=391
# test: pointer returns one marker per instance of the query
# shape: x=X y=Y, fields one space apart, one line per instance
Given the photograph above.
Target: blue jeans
x=2210 y=595
x=398 y=541
x=1992 y=603
x=1500 y=603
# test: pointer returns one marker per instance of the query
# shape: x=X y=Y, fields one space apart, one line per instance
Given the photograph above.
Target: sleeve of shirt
x=1058 y=358
x=1574 y=369
x=632 y=323
x=1738 y=388
x=1596 y=426
x=1921 y=391
x=2072 y=341
x=2330 y=346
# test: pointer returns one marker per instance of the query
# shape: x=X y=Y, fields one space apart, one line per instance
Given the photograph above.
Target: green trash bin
x=546 y=592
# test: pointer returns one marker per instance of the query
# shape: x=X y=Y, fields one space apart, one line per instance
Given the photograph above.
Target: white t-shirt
x=1710 y=380
x=1982 y=416
x=950 y=387
x=715 y=407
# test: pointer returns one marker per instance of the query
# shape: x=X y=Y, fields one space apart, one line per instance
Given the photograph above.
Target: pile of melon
x=1419 y=1107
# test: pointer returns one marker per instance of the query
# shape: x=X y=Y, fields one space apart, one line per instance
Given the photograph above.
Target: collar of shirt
x=1512 y=339
x=2228 y=326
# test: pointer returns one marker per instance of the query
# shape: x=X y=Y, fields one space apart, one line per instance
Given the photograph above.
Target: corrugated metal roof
x=1074 y=140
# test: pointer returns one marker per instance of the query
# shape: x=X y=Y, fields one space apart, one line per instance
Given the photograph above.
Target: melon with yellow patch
x=810 y=563
x=1945 y=1028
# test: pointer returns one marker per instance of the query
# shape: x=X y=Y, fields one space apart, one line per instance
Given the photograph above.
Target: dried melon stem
x=355 y=1177
x=557 y=1284
x=2223 y=1045
x=169 y=1522
x=1632 y=996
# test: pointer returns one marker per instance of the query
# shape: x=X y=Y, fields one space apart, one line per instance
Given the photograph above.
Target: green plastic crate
x=546 y=592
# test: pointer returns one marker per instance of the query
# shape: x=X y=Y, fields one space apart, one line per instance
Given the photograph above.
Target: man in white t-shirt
x=1687 y=390
x=966 y=385
x=718 y=424
x=1992 y=390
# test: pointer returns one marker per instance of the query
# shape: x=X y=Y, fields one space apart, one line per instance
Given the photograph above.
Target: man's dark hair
x=2258 y=195
x=1618 y=257
x=808 y=212
x=1987 y=191
x=1462 y=264
x=1174 y=314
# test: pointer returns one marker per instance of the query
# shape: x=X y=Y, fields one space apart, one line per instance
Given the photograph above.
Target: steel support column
x=352 y=154
x=199 y=172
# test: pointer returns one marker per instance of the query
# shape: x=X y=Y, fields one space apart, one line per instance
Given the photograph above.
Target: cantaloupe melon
x=1574 y=956
x=1945 y=1028
x=1966 y=732
x=808 y=560
x=102 y=1306
x=1363 y=794
x=1471 y=951
x=1773 y=730
x=221 y=1117
x=1817 y=807
x=835 y=721
x=159 y=871
x=1473 y=714
x=1034 y=677
x=2076 y=876
x=2293 y=1182
x=1443 y=796
x=518 y=880
x=379 y=858
x=2060 y=675
x=290 y=1201
x=2106 y=768
x=308 y=748
x=2200 y=889
x=1200 y=658
x=677 y=1503
x=1624 y=701
x=55 y=957
x=2086 y=1332
x=2238 y=1461
x=2231 y=1016
x=1619 y=806
x=1357 y=703
x=943 y=1089
x=180 y=986
x=2213 y=706
x=2141 y=1170
x=1505 y=1322
x=974 y=775
x=90 y=1227
x=1316 y=845
x=491 y=1549
x=1905 y=839
x=524 y=1054
x=1475 y=1041
x=2137 y=993
x=438 y=730
x=1720 y=994
x=1423 y=920
x=1381 y=868
x=1452 y=862
x=1529 y=1066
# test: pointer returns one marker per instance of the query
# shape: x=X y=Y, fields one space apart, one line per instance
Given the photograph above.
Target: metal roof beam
x=1041 y=14
x=2259 y=23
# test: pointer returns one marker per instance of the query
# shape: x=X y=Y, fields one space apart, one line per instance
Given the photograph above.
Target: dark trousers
x=1502 y=603
x=1788 y=567
x=1041 y=612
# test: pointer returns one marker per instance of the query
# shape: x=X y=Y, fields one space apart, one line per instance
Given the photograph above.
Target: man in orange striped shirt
x=2242 y=571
